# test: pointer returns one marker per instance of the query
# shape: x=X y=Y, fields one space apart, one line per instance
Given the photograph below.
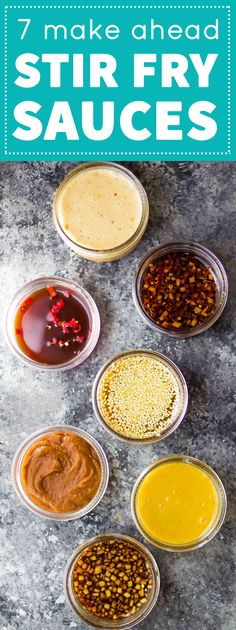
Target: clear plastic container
x=84 y=298
x=220 y=516
x=95 y=621
x=208 y=259
x=54 y=516
x=183 y=395
x=121 y=250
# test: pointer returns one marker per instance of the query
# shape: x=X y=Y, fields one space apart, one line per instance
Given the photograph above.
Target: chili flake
x=53 y=314
x=178 y=291
x=26 y=303
x=112 y=579
x=51 y=292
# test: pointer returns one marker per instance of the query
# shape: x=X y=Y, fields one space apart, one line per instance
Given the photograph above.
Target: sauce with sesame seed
x=139 y=396
x=51 y=326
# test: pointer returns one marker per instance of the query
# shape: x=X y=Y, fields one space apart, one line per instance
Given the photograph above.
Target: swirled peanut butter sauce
x=61 y=472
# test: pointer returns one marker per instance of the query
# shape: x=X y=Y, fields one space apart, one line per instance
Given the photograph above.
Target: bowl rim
x=208 y=258
x=135 y=237
x=22 y=494
x=181 y=382
x=26 y=290
x=91 y=619
x=222 y=507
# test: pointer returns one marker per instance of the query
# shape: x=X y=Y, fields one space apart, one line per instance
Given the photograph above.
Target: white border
x=5 y=81
x=117 y=153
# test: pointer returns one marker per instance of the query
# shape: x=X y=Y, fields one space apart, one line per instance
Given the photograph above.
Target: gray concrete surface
x=188 y=201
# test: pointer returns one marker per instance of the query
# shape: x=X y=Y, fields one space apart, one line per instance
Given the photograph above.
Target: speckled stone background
x=187 y=201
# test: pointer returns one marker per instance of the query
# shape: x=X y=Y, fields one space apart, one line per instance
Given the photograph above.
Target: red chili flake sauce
x=51 y=326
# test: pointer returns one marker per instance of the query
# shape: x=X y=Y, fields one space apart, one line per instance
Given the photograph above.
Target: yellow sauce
x=176 y=503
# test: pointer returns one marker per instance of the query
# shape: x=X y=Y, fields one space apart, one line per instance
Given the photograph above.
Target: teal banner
x=98 y=82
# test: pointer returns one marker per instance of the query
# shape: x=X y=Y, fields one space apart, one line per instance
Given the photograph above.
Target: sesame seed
x=139 y=396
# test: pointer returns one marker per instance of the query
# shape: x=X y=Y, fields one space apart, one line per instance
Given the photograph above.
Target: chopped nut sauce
x=178 y=291
x=112 y=579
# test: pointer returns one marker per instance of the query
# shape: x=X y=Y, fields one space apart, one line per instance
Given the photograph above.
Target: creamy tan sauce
x=100 y=208
x=61 y=472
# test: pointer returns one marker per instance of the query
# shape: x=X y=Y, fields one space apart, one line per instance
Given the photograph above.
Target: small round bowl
x=213 y=529
x=95 y=621
x=84 y=298
x=56 y=516
x=208 y=259
x=183 y=391
x=120 y=251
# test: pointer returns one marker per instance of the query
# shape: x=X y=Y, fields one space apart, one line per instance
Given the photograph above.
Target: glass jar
x=208 y=259
x=119 y=251
x=183 y=394
x=134 y=618
x=36 y=509
x=213 y=528
x=83 y=297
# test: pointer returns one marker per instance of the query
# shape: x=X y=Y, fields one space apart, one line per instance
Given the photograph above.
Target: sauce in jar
x=51 y=326
x=176 y=503
x=179 y=291
x=112 y=579
x=100 y=208
x=61 y=472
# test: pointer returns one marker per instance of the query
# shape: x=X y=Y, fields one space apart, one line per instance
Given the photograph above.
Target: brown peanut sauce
x=61 y=472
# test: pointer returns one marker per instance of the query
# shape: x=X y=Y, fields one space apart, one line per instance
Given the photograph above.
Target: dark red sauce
x=51 y=326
